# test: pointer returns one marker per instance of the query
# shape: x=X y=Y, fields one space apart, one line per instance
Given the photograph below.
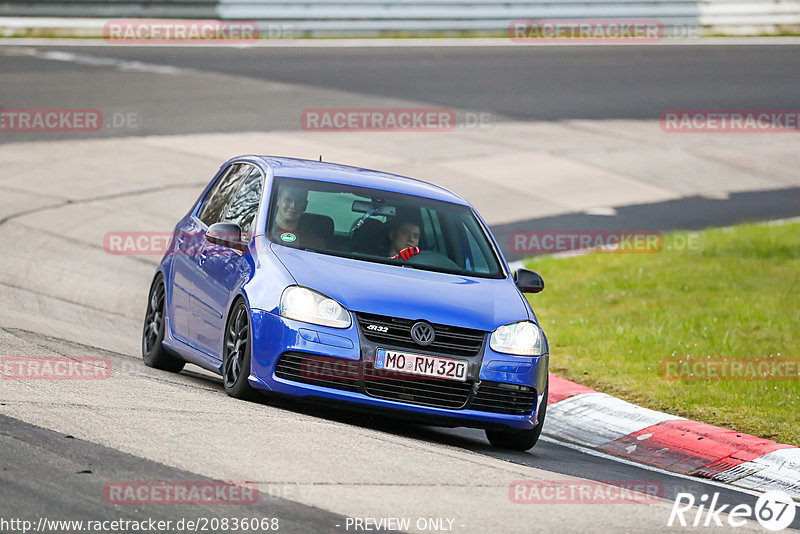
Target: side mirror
x=528 y=281
x=227 y=234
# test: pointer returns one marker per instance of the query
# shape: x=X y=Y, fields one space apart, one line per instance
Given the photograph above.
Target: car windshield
x=381 y=227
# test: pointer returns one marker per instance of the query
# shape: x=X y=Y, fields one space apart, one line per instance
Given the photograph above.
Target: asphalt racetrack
x=546 y=83
x=566 y=138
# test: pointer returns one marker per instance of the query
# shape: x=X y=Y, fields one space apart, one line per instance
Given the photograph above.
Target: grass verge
x=613 y=320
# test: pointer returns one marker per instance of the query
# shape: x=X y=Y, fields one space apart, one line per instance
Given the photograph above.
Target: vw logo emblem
x=422 y=333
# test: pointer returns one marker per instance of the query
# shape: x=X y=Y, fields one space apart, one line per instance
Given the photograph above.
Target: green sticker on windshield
x=288 y=237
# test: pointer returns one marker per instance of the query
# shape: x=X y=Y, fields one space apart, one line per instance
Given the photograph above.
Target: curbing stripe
x=561 y=388
x=594 y=419
x=584 y=416
x=688 y=446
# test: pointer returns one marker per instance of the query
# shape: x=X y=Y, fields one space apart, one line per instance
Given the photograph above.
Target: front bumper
x=275 y=337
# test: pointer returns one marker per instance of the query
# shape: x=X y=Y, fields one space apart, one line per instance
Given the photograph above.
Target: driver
x=292 y=203
x=404 y=238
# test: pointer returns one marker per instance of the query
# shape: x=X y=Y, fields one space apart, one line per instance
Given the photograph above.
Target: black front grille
x=418 y=390
x=336 y=373
x=504 y=398
x=450 y=340
x=349 y=375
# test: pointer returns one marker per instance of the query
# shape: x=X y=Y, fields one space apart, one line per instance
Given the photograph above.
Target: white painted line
x=119 y=64
x=603 y=211
x=610 y=457
x=594 y=419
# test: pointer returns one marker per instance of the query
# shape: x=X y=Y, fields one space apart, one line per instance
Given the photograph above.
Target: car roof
x=356 y=176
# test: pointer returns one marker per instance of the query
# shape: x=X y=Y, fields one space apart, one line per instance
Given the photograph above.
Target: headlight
x=302 y=304
x=523 y=339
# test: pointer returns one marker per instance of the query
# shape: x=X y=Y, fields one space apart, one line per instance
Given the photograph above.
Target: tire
x=520 y=440
x=236 y=354
x=153 y=352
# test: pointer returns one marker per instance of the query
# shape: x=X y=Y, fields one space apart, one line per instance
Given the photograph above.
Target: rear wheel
x=237 y=351
x=153 y=352
x=520 y=440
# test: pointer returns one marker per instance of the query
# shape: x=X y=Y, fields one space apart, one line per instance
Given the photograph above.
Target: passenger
x=404 y=238
x=292 y=203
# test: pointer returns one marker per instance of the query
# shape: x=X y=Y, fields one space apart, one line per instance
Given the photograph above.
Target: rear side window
x=337 y=207
x=221 y=193
x=244 y=207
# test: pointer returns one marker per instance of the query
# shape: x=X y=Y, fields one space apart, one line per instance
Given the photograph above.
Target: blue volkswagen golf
x=340 y=284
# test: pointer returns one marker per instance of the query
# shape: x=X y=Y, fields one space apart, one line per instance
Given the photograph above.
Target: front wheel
x=236 y=357
x=153 y=352
x=520 y=440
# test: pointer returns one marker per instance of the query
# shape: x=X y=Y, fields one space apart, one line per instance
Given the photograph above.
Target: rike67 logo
x=774 y=510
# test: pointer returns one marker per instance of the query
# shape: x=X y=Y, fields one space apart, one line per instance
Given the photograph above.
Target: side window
x=244 y=207
x=220 y=193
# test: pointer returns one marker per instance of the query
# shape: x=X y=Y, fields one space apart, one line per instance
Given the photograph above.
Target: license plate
x=421 y=365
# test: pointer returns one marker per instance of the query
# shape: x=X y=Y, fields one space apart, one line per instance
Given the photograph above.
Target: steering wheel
x=429 y=258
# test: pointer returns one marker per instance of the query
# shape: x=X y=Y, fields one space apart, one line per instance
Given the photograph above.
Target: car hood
x=361 y=286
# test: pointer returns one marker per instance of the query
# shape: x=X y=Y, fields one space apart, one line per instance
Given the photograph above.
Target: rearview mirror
x=226 y=234
x=528 y=281
x=374 y=208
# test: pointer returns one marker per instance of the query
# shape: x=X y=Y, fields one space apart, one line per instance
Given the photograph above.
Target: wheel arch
x=240 y=296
